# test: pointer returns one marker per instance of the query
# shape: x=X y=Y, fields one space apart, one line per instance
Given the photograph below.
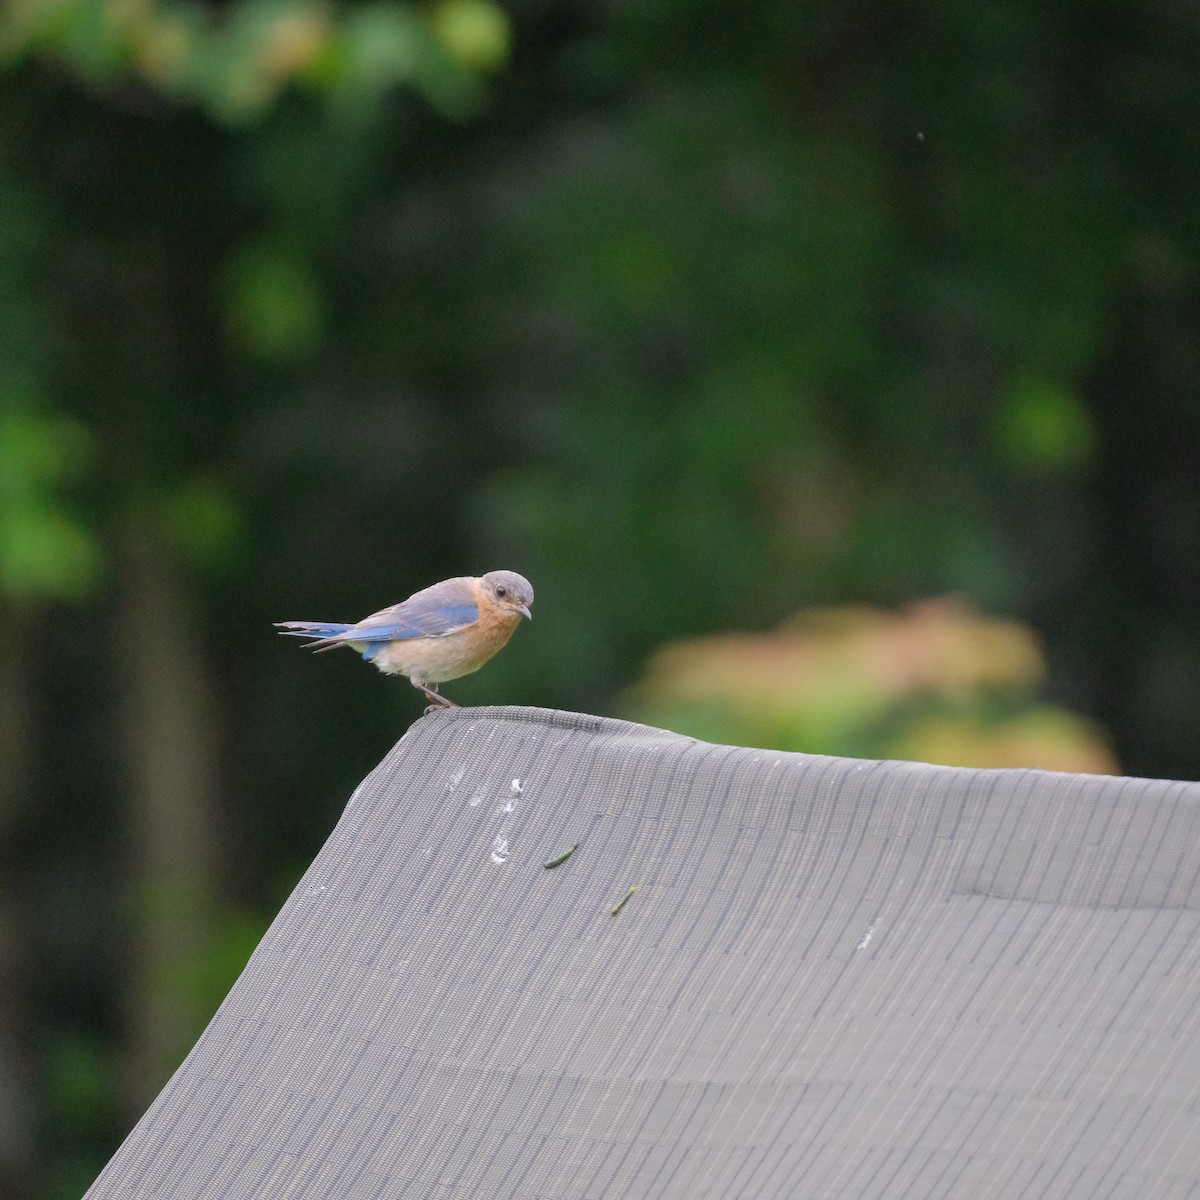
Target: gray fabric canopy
x=835 y=979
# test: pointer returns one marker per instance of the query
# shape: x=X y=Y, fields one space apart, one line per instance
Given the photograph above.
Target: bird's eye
x=502 y=590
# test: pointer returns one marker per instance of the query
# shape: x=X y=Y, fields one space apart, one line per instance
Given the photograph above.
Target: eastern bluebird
x=439 y=633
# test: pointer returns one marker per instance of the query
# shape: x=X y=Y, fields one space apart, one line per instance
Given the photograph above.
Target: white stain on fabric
x=516 y=787
x=867 y=936
x=500 y=849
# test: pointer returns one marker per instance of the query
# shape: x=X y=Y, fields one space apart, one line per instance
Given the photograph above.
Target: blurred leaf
x=383 y=44
x=43 y=555
x=1038 y=736
x=938 y=682
x=1042 y=427
x=80 y=1092
x=474 y=32
x=237 y=61
x=169 y=46
x=78 y=1080
x=264 y=46
x=275 y=307
x=45 y=552
x=39 y=449
x=202 y=518
x=88 y=33
x=208 y=973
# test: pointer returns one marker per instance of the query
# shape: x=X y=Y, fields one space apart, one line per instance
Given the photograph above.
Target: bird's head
x=511 y=592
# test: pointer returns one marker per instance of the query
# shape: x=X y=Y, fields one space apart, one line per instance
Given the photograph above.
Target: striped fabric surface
x=834 y=979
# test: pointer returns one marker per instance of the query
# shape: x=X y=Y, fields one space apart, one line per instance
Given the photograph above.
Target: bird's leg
x=431 y=694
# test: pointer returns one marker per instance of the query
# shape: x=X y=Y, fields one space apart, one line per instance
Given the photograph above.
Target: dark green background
x=697 y=315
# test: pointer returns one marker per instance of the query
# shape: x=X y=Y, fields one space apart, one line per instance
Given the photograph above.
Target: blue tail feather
x=317 y=629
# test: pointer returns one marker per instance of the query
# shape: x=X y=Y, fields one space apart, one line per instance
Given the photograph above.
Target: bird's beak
x=523 y=609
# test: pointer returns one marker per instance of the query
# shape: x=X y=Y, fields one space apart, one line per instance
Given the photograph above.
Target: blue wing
x=431 y=622
x=434 y=612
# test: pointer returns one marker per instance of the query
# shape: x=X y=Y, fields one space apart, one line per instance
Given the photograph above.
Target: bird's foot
x=437 y=701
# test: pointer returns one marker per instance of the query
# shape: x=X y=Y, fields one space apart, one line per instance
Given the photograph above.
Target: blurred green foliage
x=935 y=683
x=46 y=552
x=697 y=318
x=1045 y=428
x=236 y=61
x=78 y=1100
